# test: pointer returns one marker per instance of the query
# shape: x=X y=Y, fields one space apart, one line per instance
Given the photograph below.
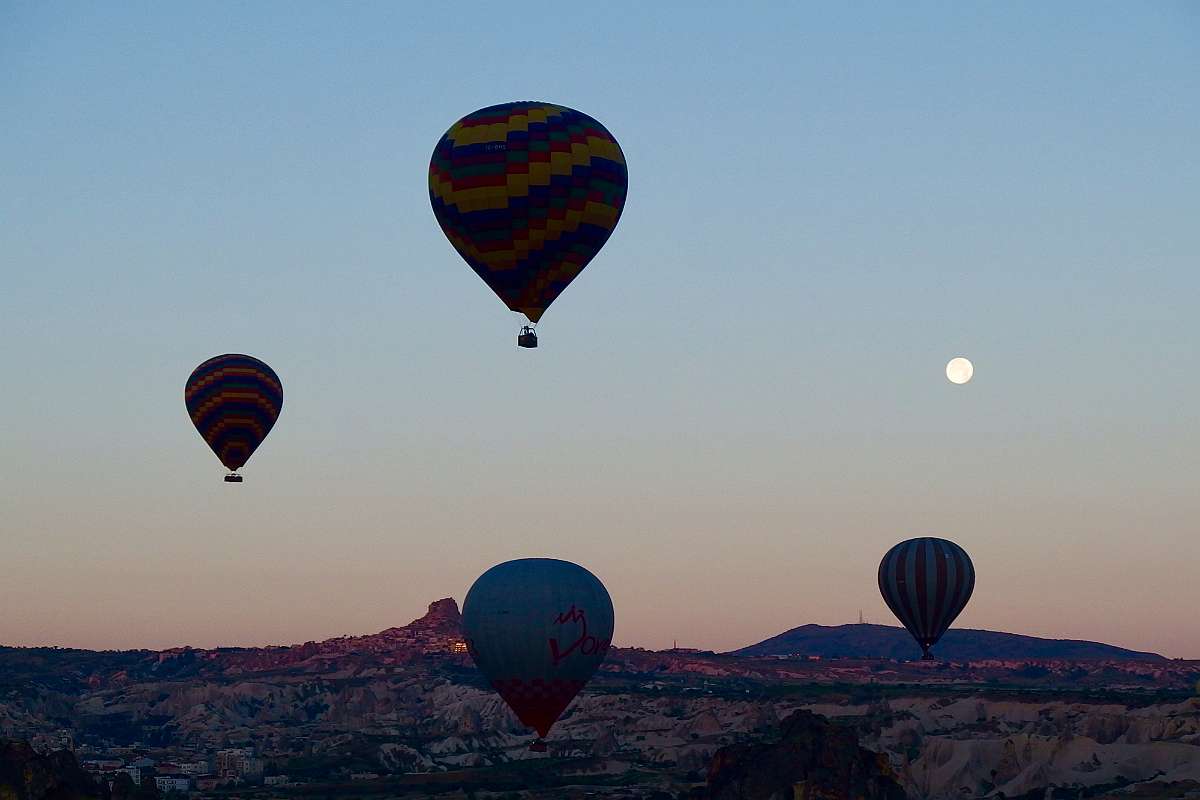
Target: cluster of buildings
x=44 y=743
x=232 y=766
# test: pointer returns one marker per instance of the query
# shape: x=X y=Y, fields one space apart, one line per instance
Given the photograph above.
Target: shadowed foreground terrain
x=403 y=713
x=810 y=754
x=26 y=774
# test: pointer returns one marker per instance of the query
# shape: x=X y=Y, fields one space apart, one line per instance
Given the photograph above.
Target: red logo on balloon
x=586 y=645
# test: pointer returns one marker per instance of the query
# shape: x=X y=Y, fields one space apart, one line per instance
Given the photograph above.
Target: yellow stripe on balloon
x=605 y=148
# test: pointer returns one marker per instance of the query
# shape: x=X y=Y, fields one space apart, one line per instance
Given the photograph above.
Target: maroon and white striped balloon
x=926 y=582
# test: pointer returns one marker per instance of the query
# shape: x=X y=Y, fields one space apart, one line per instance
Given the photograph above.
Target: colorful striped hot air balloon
x=538 y=628
x=233 y=401
x=926 y=582
x=527 y=193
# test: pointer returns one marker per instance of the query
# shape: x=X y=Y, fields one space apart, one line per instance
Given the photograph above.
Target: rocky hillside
x=406 y=706
x=53 y=669
x=884 y=641
x=1018 y=746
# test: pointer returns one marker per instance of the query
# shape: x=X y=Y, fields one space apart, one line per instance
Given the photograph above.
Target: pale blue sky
x=735 y=410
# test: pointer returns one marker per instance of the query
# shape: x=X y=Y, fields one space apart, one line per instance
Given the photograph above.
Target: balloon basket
x=538 y=746
x=233 y=478
x=928 y=656
x=527 y=337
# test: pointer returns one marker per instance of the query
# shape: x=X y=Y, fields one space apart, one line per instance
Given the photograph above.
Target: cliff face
x=813 y=759
x=440 y=622
x=26 y=775
x=975 y=746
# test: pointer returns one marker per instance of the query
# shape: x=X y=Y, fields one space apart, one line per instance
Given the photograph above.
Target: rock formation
x=28 y=775
x=813 y=759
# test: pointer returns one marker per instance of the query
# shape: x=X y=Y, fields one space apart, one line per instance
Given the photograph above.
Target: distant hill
x=959 y=644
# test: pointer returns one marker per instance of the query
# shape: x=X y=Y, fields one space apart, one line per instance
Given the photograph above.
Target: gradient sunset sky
x=736 y=409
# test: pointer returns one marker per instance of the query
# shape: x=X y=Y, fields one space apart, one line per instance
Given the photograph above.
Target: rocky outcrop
x=813 y=759
x=970 y=747
x=442 y=620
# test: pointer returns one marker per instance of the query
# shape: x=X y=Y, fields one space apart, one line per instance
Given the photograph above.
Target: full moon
x=959 y=370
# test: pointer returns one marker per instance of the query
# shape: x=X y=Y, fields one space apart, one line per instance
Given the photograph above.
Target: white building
x=238 y=762
x=134 y=773
x=194 y=768
x=173 y=783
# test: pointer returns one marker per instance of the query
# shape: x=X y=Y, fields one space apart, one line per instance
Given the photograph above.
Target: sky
x=735 y=410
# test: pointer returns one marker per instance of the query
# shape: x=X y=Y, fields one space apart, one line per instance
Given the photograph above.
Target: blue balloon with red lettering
x=538 y=629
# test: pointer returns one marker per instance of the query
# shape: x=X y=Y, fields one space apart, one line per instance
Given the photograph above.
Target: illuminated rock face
x=439 y=631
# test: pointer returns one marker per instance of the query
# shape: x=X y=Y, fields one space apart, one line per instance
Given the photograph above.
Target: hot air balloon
x=926 y=582
x=233 y=401
x=527 y=193
x=538 y=629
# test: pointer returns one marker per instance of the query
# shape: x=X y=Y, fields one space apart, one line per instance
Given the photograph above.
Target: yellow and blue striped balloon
x=528 y=193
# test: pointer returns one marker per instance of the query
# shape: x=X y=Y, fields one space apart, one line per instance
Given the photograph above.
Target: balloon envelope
x=233 y=401
x=527 y=193
x=926 y=582
x=538 y=628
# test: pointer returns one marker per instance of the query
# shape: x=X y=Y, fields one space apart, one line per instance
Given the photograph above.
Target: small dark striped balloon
x=233 y=401
x=926 y=582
